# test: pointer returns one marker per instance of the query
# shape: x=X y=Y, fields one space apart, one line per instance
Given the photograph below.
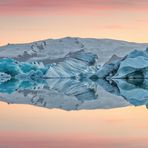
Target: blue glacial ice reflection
x=78 y=82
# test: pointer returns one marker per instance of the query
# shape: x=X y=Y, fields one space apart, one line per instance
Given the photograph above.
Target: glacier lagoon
x=77 y=82
x=74 y=100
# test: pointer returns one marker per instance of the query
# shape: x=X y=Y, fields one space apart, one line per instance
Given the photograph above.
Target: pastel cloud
x=71 y=6
x=37 y=140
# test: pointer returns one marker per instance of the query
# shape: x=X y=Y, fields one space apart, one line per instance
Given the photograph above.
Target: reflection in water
x=77 y=82
x=73 y=94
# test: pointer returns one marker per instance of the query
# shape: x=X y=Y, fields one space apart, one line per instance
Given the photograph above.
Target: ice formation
x=79 y=64
x=12 y=69
x=134 y=65
x=80 y=76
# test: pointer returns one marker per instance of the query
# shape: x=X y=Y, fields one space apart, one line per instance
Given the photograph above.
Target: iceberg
x=135 y=65
x=79 y=78
x=132 y=66
x=79 y=64
x=12 y=69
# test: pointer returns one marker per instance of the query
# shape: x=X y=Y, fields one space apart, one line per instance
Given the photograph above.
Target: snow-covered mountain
x=54 y=50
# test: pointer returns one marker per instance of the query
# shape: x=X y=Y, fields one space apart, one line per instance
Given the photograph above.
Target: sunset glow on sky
x=29 y=20
x=118 y=124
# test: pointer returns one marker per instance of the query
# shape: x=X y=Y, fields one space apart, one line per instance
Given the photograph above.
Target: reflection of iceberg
x=14 y=85
x=134 y=91
x=71 y=94
x=82 y=90
x=67 y=94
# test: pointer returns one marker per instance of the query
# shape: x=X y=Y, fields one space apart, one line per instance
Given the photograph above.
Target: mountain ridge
x=46 y=39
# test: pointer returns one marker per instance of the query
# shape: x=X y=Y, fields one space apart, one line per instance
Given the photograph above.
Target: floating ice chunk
x=88 y=57
x=4 y=77
x=9 y=66
x=74 y=65
x=108 y=70
x=12 y=69
x=135 y=65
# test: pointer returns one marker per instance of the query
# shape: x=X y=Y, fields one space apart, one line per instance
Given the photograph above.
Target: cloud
x=115 y=27
x=37 y=140
x=68 y=6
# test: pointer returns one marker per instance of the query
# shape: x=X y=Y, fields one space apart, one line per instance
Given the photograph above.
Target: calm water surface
x=71 y=114
x=29 y=126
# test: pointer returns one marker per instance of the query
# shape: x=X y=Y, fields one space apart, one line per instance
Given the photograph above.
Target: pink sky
x=29 y=20
x=38 y=140
x=68 y=6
